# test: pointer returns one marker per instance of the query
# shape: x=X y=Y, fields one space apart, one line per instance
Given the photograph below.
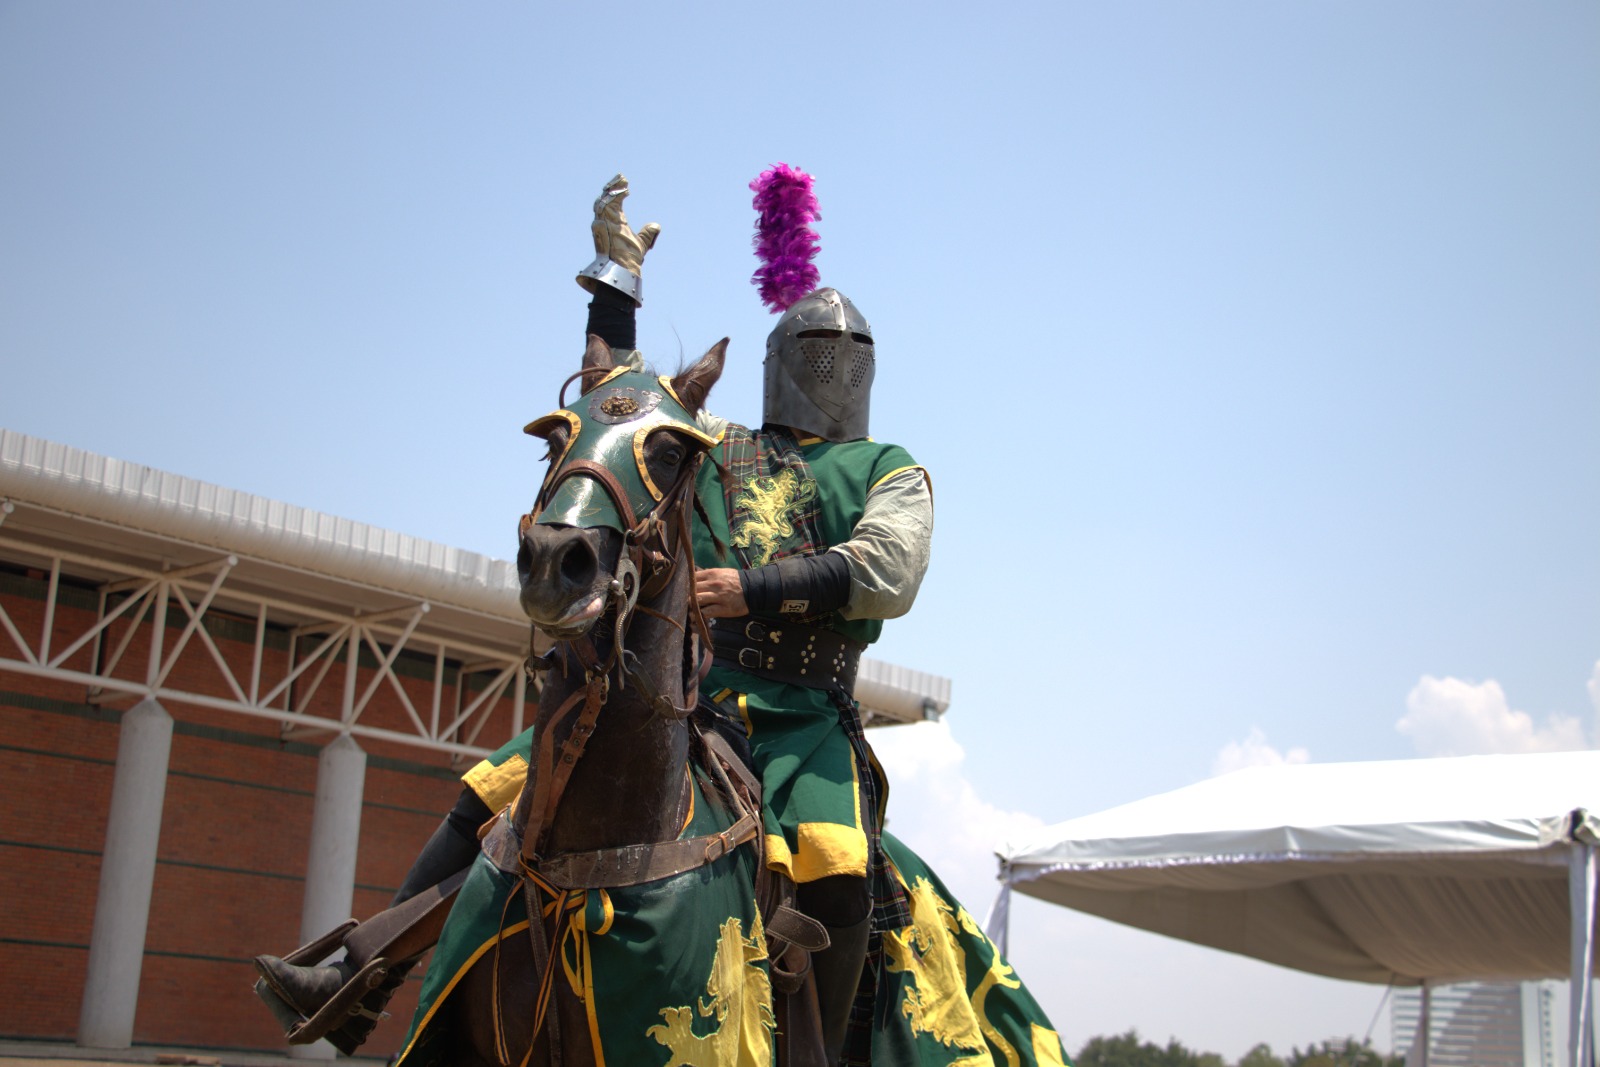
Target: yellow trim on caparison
x=689 y=818
x=444 y=994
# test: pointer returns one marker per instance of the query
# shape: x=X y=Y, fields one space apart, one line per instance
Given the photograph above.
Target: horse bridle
x=652 y=549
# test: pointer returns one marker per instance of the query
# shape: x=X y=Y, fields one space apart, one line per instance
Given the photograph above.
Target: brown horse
x=606 y=568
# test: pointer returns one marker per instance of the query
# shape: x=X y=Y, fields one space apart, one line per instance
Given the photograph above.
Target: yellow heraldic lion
x=739 y=997
x=768 y=501
x=937 y=1003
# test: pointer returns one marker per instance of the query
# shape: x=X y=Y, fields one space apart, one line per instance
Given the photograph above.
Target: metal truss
x=144 y=601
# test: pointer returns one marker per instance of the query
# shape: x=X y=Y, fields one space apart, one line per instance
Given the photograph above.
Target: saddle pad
x=673 y=971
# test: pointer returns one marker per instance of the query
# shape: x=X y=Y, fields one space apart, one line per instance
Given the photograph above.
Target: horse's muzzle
x=564 y=572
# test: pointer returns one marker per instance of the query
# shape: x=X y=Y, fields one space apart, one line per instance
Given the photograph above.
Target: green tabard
x=765 y=512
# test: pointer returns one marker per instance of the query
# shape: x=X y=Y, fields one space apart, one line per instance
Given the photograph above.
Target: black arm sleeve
x=799 y=585
x=611 y=318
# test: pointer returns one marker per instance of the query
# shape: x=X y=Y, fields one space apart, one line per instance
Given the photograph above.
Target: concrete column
x=127 y=871
x=331 y=864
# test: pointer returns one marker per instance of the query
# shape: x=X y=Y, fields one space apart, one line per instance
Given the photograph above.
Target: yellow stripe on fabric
x=778 y=857
x=497 y=786
x=1047 y=1047
x=827 y=848
x=461 y=972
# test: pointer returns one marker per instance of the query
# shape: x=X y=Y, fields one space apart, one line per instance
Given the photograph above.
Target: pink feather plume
x=784 y=241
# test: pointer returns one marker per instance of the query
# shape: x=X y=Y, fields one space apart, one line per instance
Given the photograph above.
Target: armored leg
x=343 y=1001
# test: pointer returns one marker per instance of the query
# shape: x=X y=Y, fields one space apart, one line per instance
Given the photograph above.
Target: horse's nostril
x=524 y=563
x=577 y=564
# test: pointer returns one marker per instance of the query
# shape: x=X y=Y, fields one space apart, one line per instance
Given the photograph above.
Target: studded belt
x=788 y=652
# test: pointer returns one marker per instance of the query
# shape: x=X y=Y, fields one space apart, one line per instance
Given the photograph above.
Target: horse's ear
x=694 y=383
x=597 y=362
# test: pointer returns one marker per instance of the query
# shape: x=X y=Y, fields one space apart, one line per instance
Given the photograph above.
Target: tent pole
x=1424 y=1024
x=1581 y=893
x=997 y=924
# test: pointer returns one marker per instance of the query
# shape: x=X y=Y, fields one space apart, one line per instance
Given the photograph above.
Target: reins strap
x=553 y=774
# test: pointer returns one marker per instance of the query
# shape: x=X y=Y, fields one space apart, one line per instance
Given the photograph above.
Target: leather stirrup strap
x=409 y=928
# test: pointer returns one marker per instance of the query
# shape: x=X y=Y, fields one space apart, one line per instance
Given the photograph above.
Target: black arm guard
x=611 y=318
x=799 y=585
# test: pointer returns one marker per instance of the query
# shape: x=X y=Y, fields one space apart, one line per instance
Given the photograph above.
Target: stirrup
x=301 y=1029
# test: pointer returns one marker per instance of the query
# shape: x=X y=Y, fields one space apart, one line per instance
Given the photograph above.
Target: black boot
x=296 y=993
x=838 y=970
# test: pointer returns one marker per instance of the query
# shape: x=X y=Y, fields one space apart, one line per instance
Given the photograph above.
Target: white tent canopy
x=1411 y=871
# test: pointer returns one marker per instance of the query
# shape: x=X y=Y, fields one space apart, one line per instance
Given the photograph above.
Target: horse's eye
x=672 y=456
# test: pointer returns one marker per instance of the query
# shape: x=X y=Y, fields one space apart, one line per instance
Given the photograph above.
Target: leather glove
x=619 y=251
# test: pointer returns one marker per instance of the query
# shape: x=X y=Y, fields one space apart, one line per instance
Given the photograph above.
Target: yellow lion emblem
x=766 y=503
x=936 y=1002
x=739 y=997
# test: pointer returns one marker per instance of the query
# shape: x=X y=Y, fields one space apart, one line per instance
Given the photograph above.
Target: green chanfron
x=609 y=426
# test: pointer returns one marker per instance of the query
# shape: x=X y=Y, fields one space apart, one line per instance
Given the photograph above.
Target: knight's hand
x=719 y=593
x=619 y=251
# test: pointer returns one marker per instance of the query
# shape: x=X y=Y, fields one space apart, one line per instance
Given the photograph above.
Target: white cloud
x=1254 y=751
x=935 y=810
x=1450 y=717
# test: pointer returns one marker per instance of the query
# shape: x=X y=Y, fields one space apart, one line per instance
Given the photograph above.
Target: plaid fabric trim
x=891 y=910
x=774 y=510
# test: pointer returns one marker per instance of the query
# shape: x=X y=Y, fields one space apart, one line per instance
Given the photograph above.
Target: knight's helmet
x=818 y=374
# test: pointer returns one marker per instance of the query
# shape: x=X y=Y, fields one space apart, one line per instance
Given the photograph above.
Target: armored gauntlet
x=618 y=251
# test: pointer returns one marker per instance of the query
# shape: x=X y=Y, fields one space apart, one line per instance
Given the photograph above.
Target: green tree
x=1346 y=1053
x=1126 y=1050
x=1261 y=1056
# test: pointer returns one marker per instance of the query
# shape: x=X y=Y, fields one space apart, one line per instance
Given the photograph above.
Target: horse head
x=622 y=462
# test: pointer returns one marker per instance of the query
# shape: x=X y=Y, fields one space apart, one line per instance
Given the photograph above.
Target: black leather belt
x=788 y=652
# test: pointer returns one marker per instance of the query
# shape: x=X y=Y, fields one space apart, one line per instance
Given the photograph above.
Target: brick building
x=227 y=724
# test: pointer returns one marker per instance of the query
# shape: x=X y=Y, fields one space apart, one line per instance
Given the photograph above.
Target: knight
x=811 y=534
x=829 y=534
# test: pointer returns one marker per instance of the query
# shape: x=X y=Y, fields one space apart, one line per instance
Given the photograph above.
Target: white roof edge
x=33 y=470
x=904 y=694
x=70 y=479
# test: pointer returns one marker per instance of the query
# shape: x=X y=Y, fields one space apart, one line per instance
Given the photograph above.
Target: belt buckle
x=755 y=630
x=754 y=662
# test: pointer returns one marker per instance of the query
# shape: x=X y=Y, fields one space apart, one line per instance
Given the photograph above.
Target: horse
x=606 y=569
x=621 y=908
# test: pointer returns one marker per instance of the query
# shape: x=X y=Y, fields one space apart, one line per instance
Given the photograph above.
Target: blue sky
x=1254 y=348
